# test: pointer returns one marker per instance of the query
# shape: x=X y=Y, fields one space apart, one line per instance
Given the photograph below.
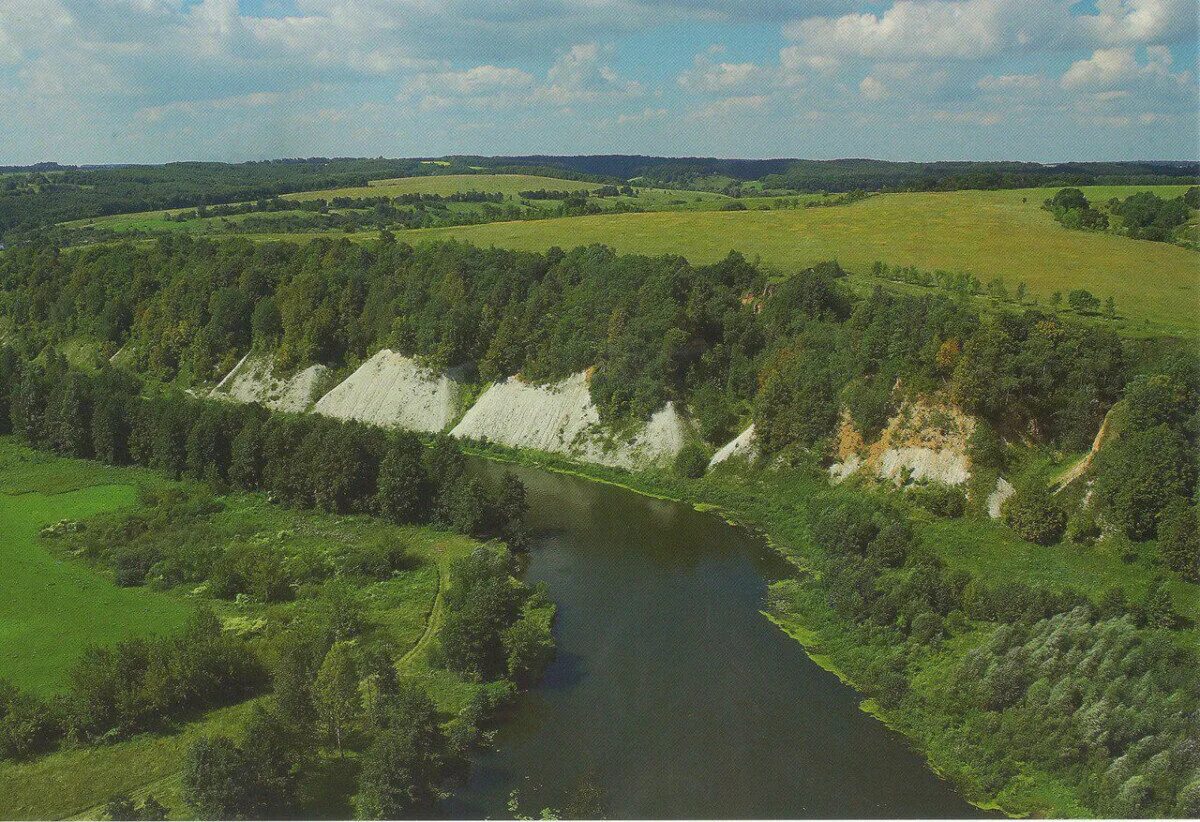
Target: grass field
x=988 y=233
x=449 y=184
x=51 y=609
x=52 y=606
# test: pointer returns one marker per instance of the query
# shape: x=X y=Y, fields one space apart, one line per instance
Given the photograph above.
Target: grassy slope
x=989 y=233
x=52 y=607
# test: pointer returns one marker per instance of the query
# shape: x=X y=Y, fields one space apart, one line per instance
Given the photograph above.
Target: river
x=671 y=692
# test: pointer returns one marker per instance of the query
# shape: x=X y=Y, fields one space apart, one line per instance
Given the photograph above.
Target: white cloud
x=644 y=116
x=942 y=29
x=1118 y=69
x=477 y=80
x=1013 y=82
x=709 y=77
x=580 y=75
x=872 y=88
x=730 y=107
x=1142 y=21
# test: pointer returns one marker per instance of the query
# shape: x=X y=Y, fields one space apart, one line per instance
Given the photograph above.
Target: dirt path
x=1080 y=468
x=433 y=622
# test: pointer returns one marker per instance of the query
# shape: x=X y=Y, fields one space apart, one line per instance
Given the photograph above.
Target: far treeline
x=39 y=196
x=851 y=174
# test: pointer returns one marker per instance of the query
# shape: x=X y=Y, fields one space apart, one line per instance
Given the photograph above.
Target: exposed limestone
x=839 y=471
x=253 y=380
x=920 y=464
x=996 y=499
x=659 y=441
x=560 y=418
x=924 y=442
x=740 y=447
x=393 y=390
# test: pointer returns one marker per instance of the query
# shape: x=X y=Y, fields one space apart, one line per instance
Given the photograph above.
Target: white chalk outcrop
x=999 y=496
x=740 y=447
x=840 y=471
x=924 y=464
x=924 y=442
x=253 y=379
x=561 y=418
x=392 y=390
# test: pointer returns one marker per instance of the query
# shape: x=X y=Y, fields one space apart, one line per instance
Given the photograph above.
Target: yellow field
x=988 y=233
x=448 y=184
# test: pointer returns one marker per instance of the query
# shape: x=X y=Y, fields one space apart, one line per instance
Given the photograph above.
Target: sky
x=148 y=81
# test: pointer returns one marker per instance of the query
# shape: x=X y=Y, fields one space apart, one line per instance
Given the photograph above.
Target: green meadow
x=53 y=605
x=445 y=184
x=990 y=234
x=51 y=608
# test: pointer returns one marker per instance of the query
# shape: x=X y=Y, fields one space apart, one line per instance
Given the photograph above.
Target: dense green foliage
x=138 y=685
x=1149 y=474
x=653 y=328
x=1142 y=216
x=47 y=197
x=494 y=628
x=305 y=462
x=1098 y=695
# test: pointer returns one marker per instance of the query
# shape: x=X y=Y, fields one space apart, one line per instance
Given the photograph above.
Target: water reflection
x=670 y=689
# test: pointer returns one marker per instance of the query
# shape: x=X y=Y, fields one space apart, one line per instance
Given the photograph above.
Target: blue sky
x=88 y=81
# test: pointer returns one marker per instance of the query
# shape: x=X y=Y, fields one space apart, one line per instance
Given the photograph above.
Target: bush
x=1179 y=540
x=1035 y=516
x=28 y=726
x=1083 y=528
x=529 y=648
x=985 y=448
x=692 y=461
x=1140 y=474
x=942 y=500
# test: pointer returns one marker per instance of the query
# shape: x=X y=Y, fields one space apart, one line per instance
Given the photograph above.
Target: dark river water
x=671 y=692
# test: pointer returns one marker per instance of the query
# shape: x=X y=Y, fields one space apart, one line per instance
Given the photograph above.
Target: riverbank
x=773 y=505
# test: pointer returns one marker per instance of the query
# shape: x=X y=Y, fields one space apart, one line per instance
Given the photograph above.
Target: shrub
x=529 y=648
x=1083 y=528
x=942 y=500
x=28 y=726
x=692 y=461
x=1178 y=540
x=1140 y=474
x=985 y=447
x=1035 y=516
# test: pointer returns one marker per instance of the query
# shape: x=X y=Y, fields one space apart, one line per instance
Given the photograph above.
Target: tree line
x=1142 y=216
x=302 y=461
x=1098 y=694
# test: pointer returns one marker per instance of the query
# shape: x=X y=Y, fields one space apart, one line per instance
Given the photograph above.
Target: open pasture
x=990 y=234
x=445 y=184
x=51 y=609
